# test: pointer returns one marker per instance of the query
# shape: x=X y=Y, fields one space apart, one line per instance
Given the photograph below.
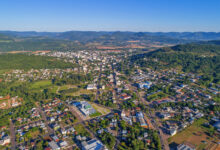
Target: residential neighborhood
x=96 y=105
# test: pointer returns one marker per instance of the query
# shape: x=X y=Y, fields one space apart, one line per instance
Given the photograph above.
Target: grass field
x=2 y=71
x=54 y=88
x=66 y=87
x=195 y=134
x=40 y=85
x=102 y=110
x=81 y=130
x=81 y=91
x=96 y=114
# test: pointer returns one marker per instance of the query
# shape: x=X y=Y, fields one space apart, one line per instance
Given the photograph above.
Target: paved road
x=81 y=120
x=154 y=123
x=98 y=83
x=49 y=129
x=12 y=136
x=116 y=97
x=161 y=135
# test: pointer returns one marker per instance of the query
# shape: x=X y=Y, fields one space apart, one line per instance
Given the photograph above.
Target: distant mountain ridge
x=76 y=40
x=77 y=35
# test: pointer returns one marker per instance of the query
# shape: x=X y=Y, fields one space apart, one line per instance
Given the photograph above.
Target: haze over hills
x=77 y=35
x=73 y=40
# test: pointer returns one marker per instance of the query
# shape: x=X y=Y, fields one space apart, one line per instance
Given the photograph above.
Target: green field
x=80 y=92
x=66 y=87
x=81 y=130
x=41 y=85
x=96 y=114
x=102 y=110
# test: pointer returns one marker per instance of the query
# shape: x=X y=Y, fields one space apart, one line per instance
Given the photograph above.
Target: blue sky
x=110 y=15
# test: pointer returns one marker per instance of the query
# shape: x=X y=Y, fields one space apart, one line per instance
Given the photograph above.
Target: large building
x=93 y=145
x=86 y=108
x=146 y=85
x=53 y=145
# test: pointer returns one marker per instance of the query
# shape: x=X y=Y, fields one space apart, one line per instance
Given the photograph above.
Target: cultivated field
x=196 y=134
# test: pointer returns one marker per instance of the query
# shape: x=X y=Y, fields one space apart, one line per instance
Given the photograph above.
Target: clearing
x=195 y=134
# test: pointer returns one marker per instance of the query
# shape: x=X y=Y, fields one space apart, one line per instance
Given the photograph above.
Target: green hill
x=23 y=61
x=199 y=58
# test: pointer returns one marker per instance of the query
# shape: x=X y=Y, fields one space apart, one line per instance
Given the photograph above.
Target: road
x=98 y=83
x=81 y=120
x=152 y=119
x=49 y=129
x=115 y=87
x=12 y=136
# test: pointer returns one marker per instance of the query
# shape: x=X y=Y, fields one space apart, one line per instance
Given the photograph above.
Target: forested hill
x=200 y=58
x=26 y=62
x=199 y=48
x=5 y=38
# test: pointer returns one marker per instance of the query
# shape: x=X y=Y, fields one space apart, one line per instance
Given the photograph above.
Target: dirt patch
x=196 y=135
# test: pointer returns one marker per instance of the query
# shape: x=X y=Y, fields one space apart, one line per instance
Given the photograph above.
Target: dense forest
x=23 y=61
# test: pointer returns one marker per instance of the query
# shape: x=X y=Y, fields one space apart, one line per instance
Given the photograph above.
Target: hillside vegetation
x=22 y=61
x=197 y=58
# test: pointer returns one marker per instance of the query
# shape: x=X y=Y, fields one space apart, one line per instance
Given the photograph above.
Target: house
x=165 y=115
x=93 y=144
x=217 y=125
x=123 y=113
x=55 y=138
x=52 y=119
x=53 y=145
x=55 y=126
x=140 y=117
x=128 y=120
x=173 y=131
x=145 y=134
x=124 y=96
x=100 y=131
x=70 y=130
x=63 y=144
x=63 y=131
x=78 y=137
x=91 y=87
x=5 y=140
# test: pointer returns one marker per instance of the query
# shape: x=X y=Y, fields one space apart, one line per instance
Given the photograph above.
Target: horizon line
x=109 y=31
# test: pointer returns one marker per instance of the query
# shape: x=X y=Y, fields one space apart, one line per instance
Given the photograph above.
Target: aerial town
x=96 y=105
x=110 y=75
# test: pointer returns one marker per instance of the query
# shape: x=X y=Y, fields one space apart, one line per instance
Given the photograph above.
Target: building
x=63 y=144
x=186 y=146
x=91 y=87
x=165 y=115
x=217 y=125
x=93 y=145
x=53 y=145
x=86 y=108
x=146 y=85
x=173 y=131
x=5 y=140
x=140 y=117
